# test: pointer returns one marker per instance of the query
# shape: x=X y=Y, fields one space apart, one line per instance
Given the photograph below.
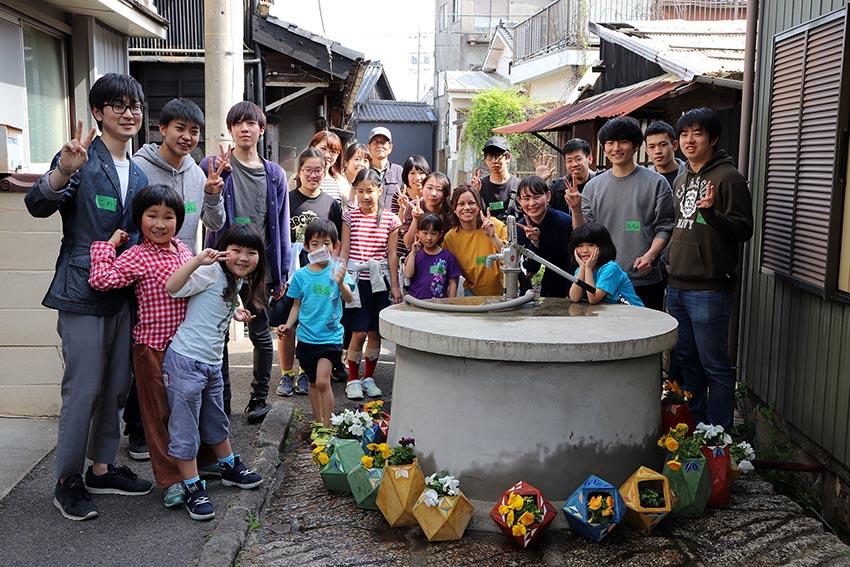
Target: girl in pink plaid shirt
x=158 y=211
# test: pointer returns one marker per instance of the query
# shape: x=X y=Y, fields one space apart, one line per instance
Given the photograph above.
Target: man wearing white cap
x=380 y=148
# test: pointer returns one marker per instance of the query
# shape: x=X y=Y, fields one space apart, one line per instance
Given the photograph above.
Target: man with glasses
x=499 y=189
x=91 y=183
x=380 y=148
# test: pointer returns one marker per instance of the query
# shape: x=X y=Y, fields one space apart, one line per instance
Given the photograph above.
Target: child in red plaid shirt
x=158 y=211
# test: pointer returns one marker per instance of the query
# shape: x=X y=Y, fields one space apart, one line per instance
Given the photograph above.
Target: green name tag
x=700 y=220
x=242 y=220
x=191 y=207
x=106 y=203
x=496 y=206
x=321 y=289
x=632 y=226
x=481 y=261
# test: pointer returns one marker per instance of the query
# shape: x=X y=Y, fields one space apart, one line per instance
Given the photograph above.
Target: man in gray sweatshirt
x=171 y=164
x=634 y=204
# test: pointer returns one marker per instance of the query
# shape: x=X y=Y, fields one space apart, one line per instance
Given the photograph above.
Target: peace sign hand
x=403 y=204
x=417 y=245
x=416 y=211
x=487 y=224
x=475 y=182
x=708 y=200
x=215 y=183
x=543 y=166
x=531 y=232
x=74 y=154
x=571 y=195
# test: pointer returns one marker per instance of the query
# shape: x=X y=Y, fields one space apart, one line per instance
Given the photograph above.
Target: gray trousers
x=97 y=353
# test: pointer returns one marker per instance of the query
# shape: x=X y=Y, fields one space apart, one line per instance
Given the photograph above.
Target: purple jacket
x=277 y=219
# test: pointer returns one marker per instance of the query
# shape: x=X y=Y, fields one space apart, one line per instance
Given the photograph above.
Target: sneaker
x=117 y=480
x=354 y=390
x=239 y=475
x=209 y=471
x=284 y=388
x=174 y=495
x=302 y=385
x=197 y=502
x=137 y=446
x=257 y=410
x=73 y=500
x=339 y=373
x=371 y=388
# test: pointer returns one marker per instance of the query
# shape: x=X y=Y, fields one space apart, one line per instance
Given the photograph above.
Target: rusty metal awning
x=612 y=103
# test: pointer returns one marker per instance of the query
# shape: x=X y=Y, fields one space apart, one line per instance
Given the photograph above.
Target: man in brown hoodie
x=713 y=216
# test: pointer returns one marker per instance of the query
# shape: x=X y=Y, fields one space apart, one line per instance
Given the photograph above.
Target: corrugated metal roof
x=612 y=103
x=474 y=81
x=394 y=111
x=306 y=34
x=374 y=72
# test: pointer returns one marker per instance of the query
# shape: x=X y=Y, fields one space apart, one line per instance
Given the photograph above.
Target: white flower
x=727 y=439
x=430 y=479
x=746 y=466
x=336 y=419
x=452 y=487
x=431 y=497
x=356 y=429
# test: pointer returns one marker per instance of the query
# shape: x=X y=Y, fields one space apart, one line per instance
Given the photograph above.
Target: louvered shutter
x=807 y=132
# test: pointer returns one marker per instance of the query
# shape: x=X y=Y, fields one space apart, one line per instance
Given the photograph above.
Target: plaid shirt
x=148 y=267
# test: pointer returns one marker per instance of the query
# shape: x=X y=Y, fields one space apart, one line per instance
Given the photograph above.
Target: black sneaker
x=137 y=446
x=257 y=410
x=239 y=475
x=73 y=500
x=118 y=480
x=339 y=373
x=197 y=502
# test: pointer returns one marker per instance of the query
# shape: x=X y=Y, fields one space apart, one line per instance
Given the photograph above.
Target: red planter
x=534 y=530
x=720 y=472
x=674 y=414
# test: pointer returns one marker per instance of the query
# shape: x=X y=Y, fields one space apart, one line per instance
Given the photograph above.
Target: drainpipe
x=259 y=82
x=224 y=71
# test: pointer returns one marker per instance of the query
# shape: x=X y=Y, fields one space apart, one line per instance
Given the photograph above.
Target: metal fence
x=564 y=22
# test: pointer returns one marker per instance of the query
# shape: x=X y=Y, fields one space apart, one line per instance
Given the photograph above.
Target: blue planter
x=577 y=514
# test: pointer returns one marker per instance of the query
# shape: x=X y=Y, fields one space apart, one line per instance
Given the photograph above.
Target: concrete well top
x=553 y=330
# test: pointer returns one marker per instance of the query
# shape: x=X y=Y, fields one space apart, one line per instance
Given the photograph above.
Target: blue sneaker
x=302 y=385
x=174 y=495
x=239 y=475
x=197 y=502
x=284 y=388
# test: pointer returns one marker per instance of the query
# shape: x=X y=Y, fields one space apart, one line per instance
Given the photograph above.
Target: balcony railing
x=563 y=23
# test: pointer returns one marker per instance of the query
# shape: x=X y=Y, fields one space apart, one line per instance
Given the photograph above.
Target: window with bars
x=806 y=162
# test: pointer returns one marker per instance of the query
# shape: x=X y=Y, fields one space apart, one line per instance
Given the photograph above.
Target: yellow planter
x=399 y=491
x=638 y=515
x=447 y=520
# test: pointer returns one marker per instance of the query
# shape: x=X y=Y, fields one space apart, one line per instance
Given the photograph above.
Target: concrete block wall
x=30 y=353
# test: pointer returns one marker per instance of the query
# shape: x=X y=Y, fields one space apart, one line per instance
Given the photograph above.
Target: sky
x=384 y=30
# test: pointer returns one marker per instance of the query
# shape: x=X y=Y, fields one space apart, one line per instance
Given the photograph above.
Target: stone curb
x=226 y=540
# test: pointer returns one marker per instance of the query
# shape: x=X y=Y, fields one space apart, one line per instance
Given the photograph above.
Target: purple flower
x=405 y=441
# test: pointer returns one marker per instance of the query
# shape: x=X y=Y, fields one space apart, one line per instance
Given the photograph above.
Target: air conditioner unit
x=11 y=149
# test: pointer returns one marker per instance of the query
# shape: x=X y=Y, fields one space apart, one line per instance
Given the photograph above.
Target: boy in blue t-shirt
x=319 y=291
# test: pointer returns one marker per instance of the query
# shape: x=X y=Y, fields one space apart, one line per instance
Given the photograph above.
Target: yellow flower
x=687 y=395
x=671 y=444
x=526 y=519
x=367 y=462
x=682 y=428
x=372 y=446
x=610 y=502
x=518 y=530
x=515 y=501
x=503 y=510
x=608 y=512
x=661 y=441
x=385 y=450
x=594 y=503
x=318 y=449
x=509 y=519
x=674 y=465
x=323 y=459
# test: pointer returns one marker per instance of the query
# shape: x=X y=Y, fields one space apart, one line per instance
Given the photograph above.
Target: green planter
x=345 y=458
x=364 y=485
x=691 y=485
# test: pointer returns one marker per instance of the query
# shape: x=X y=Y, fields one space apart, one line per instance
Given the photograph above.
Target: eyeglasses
x=312 y=171
x=135 y=109
x=380 y=142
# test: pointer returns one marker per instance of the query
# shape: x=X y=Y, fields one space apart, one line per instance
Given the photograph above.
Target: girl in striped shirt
x=369 y=247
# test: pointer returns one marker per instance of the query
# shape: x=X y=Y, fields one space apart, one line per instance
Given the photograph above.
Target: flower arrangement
x=439 y=484
x=375 y=408
x=600 y=508
x=680 y=446
x=647 y=497
x=377 y=457
x=743 y=455
x=401 y=486
x=712 y=435
x=403 y=452
x=672 y=393
x=351 y=424
x=520 y=512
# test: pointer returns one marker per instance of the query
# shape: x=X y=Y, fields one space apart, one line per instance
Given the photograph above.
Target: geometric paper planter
x=575 y=509
x=533 y=530
x=637 y=514
x=673 y=414
x=399 y=491
x=371 y=434
x=447 y=520
x=720 y=474
x=364 y=485
x=384 y=423
x=692 y=487
x=345 y=458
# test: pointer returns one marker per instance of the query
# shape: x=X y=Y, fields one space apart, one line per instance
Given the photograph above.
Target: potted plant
x=647 y=497
x=594 y=509
x=674 y=406
x=715 y=449
x=344 y=450
x=402 y=484
x=686 y=470
x=442 y=511
x=365 y=478
x=742 y=457
x=380 y=427
x=522 y=513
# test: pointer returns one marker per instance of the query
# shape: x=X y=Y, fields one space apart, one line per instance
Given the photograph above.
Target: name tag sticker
x=700 y=220
x=191 y=207
x=496 y=206
x=632 y=226
x=242 y=220
x=106 y=203
x=481 y=261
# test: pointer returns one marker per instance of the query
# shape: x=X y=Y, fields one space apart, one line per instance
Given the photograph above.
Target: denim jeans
x=701 y=352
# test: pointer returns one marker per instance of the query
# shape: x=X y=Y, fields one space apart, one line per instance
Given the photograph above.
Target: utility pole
x=418 y=60
x=224 y=70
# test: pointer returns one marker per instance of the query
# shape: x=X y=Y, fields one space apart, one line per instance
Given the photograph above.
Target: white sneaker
x=354 y=390
x=371 y=388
